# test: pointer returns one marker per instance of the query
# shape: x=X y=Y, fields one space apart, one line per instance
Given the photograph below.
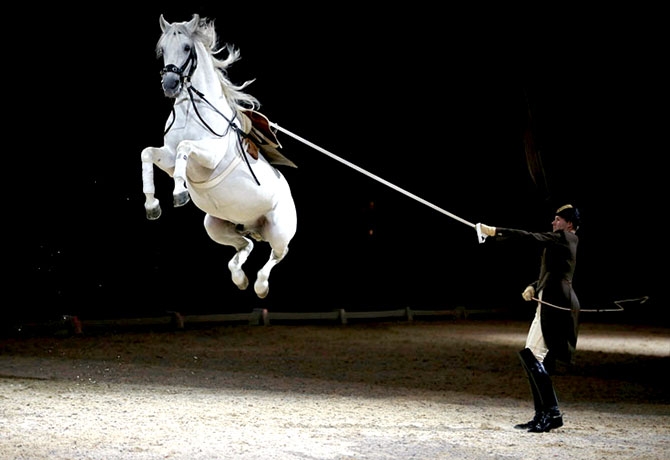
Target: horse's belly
x=240 y=200
x=244 y=209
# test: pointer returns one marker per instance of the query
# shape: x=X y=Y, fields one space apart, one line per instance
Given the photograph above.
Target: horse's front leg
x=180 y=194
x=164 y=159
x=206 y=153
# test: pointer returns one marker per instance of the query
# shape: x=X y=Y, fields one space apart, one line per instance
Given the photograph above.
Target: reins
x=186 y=82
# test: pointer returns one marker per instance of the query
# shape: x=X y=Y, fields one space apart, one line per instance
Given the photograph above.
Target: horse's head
x=177 y=48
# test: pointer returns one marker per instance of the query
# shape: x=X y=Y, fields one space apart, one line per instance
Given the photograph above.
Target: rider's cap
x=569 y=213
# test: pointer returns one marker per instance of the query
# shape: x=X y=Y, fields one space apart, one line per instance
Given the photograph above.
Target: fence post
x=342 y=316
x=177 y=319
x=259 y=316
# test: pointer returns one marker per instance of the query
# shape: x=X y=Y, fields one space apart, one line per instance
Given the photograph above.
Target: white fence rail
x=257 y=317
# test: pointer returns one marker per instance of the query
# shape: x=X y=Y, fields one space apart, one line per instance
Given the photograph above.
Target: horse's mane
x=205 y=33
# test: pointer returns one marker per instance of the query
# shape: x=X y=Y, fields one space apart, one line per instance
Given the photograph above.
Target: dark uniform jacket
x=560 y=320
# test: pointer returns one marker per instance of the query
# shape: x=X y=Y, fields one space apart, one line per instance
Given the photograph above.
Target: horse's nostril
x=170 y=83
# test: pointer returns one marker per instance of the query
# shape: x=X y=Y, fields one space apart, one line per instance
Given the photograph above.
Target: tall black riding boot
x=550 y=416
x=537 y=400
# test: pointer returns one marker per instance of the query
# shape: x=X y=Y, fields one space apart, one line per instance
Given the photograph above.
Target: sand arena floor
x=388 y=390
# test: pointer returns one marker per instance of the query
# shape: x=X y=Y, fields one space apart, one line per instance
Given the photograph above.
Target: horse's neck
x=203 y=108
x=211 y=94
x=206 y=81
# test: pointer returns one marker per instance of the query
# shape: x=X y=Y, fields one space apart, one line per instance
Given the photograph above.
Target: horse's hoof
x=153 y=213
x=180 y=199
x=262 y=289
x=241 y=280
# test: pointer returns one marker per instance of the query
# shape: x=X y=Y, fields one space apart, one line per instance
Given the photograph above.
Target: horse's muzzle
x=171 y=83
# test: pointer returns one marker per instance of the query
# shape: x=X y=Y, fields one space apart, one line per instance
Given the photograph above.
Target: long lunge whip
x=377 y=178
x=618 y=303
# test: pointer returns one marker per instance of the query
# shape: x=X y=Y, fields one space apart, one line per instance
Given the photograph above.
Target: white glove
x=488 y=231
x=528 y=293
x=483 y=231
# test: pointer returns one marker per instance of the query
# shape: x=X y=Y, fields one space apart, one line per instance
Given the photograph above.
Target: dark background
x=433 y=100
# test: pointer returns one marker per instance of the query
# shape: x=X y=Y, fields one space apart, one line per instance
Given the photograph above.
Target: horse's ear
x=192 y=25
x=164 y=24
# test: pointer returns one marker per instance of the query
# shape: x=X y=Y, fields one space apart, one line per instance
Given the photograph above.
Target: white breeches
x=535 y=339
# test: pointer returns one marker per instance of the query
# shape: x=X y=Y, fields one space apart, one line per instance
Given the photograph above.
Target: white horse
x=215 y=148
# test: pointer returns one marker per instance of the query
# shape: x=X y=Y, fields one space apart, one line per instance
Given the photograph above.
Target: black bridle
x=185 y=80
x=192 y=59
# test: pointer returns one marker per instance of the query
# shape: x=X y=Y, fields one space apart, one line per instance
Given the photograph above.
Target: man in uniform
x=553 y=333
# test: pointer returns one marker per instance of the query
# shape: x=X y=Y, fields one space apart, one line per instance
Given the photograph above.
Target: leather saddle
x=261 y=138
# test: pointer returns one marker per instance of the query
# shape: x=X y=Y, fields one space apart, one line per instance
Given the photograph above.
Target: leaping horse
x=220 y=151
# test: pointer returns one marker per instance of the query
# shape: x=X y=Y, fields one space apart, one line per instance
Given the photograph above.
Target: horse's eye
x=187 y=48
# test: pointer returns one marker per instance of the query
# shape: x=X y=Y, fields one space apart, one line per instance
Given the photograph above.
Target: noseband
x=192 y=59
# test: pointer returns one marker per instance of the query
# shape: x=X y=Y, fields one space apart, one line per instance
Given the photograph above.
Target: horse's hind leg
x=235 y=264
x=262 y=285
x=278 y=230
x=224 y=232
